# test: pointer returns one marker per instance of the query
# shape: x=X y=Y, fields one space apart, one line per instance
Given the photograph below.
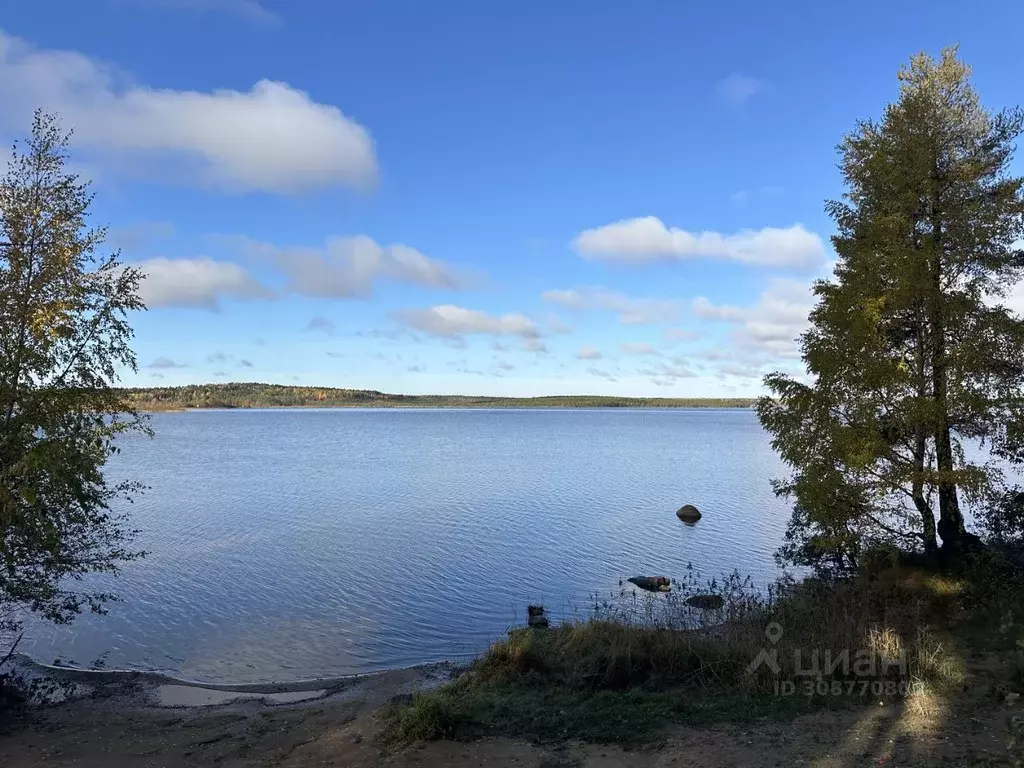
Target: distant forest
x=248 y=395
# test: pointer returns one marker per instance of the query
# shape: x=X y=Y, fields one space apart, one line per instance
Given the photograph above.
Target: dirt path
x=339 y=730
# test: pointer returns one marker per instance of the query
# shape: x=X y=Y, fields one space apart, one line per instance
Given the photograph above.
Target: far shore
x=157 y=408
x=258 y=395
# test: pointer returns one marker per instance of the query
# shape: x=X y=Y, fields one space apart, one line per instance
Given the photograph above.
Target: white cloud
x=588 y=352
x=736 y=89
x=199 y=283
x=535 y=345
x=709 y=311
x=555 y=324
x=346 y=267
x=768 y=329
x=739 y=371
x=680 y=334
x=570 y=299
x=1014 y=299
x=450 y=321
x=601 y=374
x=637 y=348
x=165 y=362
x=630 y=310
x=715 y=354
x=271 y=138
x=673 y=371
x=322 y=324
x=343 y=268
x=647 y=239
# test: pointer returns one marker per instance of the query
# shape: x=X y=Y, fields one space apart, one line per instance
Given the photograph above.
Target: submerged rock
x=688 y=513
x=652 y=583
x=535 y=617
x=706 y=602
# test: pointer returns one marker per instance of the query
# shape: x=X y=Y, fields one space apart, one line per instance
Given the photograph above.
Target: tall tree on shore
x=63 y=336
x=911 y=350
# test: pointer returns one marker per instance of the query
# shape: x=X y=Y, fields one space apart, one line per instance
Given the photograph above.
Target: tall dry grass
x=873 y=629
x=634 y=660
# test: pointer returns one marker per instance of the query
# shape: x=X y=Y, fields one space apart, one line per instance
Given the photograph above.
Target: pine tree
x=911 y=351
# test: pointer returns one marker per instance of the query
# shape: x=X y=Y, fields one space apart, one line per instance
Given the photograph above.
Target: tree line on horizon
x=258 y=395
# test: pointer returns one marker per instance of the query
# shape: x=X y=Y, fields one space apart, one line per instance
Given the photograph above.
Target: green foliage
x=910 y=350
x=1004 y=516
x=246 y=395
x=63 y=336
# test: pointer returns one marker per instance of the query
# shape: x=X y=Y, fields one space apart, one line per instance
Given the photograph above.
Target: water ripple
x=308 y=543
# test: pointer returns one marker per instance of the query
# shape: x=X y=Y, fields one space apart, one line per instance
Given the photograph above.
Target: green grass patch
x=541 y=712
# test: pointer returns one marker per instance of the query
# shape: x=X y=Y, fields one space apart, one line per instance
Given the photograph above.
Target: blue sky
x=497 y=198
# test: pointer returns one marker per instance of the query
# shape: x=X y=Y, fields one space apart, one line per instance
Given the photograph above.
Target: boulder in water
x=688 y=513
x=652 y=583
x=706 y=602
x=535 y=617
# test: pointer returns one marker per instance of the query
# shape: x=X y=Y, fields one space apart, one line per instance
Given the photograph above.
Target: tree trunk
x=951 y=521
x=931 y=547
x=924 y=508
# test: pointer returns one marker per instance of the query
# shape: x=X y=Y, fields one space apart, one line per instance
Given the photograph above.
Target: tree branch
x=10 y=653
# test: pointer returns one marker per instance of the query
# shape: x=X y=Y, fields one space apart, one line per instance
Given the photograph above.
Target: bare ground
x=122 y=729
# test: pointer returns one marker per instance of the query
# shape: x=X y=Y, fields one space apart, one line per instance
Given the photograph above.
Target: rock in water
x=652 y=583
x=535 y=617
x=688 y=513
x=706 y=602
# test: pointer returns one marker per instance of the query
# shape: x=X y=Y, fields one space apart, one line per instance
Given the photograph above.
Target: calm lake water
x=294 y=544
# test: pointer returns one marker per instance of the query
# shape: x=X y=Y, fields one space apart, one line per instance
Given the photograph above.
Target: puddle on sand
x=194 y=696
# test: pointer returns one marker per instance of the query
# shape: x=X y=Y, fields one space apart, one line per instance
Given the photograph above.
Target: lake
x=295 y=544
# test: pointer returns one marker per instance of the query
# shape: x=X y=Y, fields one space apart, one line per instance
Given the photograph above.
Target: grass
x=549 y=713
x=638 y=662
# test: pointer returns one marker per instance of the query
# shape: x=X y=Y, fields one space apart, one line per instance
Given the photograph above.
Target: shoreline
x=147 y=689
